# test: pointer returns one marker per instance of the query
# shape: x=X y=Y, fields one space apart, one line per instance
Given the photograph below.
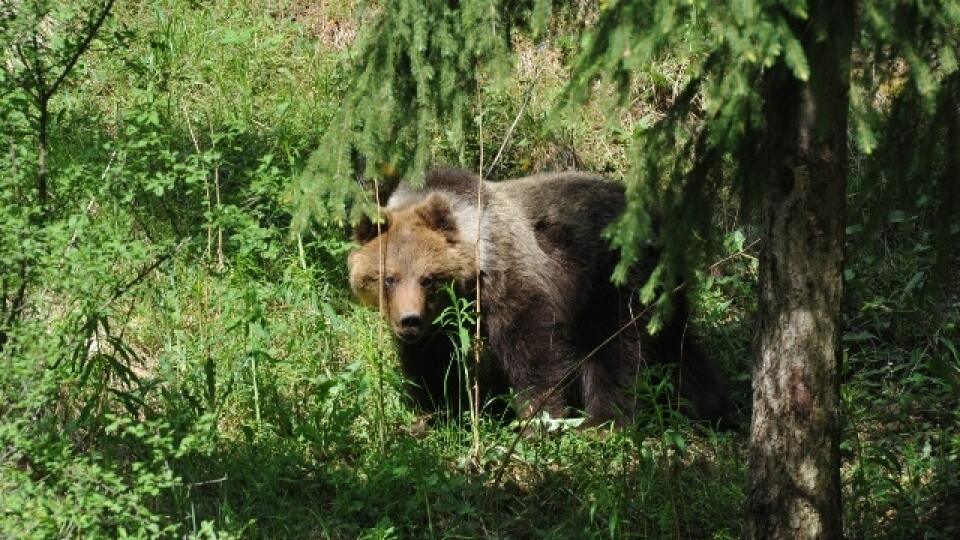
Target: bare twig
x=121 y=290
x=513 y=125
x=16 y=307
x=221 y=262
x=508 y=135
x=735 y=255
x=91 y=32
x=34 y=71
x=206 y=183
x=564 y=380
x=208 y=482
x=381 y=429
x=475 y=412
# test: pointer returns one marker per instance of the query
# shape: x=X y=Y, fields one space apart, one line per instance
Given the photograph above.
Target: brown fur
x=547 y=300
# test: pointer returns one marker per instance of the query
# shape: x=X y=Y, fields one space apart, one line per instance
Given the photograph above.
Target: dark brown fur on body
x=547 y=299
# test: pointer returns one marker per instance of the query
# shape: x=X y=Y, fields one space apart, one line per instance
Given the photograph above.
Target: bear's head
x=418 y=251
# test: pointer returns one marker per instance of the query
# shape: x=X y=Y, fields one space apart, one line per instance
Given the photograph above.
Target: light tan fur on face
x=421 y=253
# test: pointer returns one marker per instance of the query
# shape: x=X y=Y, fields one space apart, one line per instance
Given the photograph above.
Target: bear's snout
x=410 y=320
x=410 y=328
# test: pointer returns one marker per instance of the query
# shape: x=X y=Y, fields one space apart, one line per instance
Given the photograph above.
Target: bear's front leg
x=433 y=383
x=540 y=361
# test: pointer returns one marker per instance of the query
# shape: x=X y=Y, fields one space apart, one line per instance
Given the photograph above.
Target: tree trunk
x=794 y=485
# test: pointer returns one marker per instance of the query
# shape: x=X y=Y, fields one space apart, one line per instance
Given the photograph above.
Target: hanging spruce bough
x=415 y=75
x=766 y=113
x=911 y=144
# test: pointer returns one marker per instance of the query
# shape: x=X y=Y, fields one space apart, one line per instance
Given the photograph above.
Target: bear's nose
x=410 y=320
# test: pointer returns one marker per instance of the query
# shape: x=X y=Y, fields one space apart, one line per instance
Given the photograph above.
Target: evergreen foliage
x=414 y=74
x=690 y=158
x=419 y=70
x=906 y=94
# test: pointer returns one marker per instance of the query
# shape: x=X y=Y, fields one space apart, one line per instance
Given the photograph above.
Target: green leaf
x=948 y=59
x=915 y=280
x=858 y=336
x=649 y=289
x=950 y=346
x=540 y=17
x=943 y=367
x=795 y=58
x=797 y=8
x=676 y=440
x=866 y=138
x=233 y=37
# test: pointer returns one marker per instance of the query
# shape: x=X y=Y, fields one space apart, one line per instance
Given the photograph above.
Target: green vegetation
x=176 y=359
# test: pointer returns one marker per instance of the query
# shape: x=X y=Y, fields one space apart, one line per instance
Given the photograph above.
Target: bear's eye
x=428 y=282
x=389 y=281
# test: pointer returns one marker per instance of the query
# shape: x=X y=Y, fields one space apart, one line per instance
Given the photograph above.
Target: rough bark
x=794 y=486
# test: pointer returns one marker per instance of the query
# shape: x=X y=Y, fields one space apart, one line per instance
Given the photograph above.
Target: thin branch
x=224 y=478
x=564 y=380
x=34 y=72
x=91 y=32
x=120 y=291
x=475 y=409
x=735 y=255
x=206 y=183
x=16 y=307
x=509 y=134
x=381 y=268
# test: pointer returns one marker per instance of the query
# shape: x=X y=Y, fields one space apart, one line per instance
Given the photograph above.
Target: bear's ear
x=366 y=230
x=437 y=214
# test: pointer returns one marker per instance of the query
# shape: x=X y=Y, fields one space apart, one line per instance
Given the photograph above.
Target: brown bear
x=547 y=301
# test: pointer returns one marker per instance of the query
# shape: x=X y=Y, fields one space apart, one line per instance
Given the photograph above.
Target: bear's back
x=458 y=185
x=563 y=213
x=568 y=212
